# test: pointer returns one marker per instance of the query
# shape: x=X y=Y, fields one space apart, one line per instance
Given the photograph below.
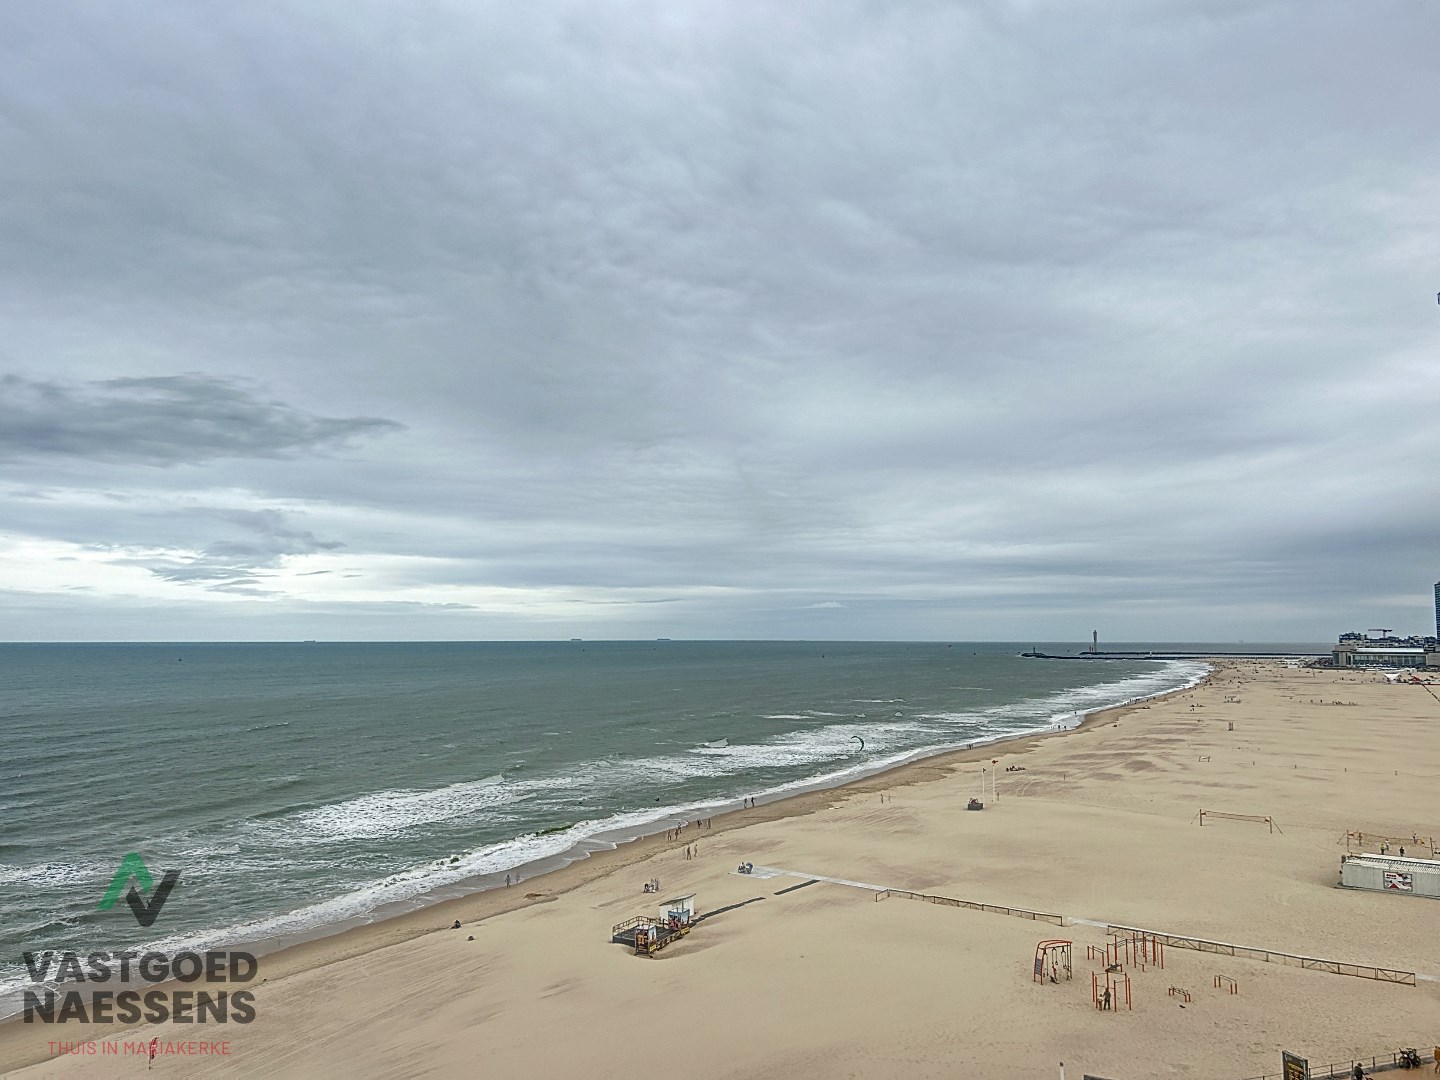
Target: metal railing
x=1272 y=956
x=975 y=905
x=1344 y=1070
x=638 y=920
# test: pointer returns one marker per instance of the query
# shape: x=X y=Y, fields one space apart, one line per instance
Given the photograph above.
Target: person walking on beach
x=154 y=1046
x=1105 y=1000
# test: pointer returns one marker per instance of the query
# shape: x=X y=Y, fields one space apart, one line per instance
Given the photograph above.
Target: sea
x=301 y=788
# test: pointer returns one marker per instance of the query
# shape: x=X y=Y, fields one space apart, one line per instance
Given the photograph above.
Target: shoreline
x=1100 y=828
x=604 y=840
x=335 y=943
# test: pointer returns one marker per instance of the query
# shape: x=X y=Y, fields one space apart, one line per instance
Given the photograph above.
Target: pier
x=1100 y=655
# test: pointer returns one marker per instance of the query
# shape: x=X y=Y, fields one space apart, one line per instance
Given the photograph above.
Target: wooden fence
x=975 y=905
x=1271 y=956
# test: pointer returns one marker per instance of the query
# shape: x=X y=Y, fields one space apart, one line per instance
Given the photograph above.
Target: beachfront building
x=1386 y=650
x=1357 y=649
x=1372 y=654
x=1350 y=654
x=1381 y=873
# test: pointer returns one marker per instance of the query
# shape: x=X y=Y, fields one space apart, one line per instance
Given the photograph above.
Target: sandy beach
x=835 y=979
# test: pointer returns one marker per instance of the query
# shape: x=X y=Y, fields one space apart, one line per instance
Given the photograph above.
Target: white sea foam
x=386 y=813
x=51 y=874
x=827 y=753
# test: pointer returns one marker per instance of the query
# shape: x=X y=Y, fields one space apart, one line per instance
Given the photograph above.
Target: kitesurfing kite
x=859 y=740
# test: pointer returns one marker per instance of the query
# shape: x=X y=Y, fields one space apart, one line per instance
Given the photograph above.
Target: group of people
x=653 y=885
x=674 y=834
x=745 y=868
x=1359 y=838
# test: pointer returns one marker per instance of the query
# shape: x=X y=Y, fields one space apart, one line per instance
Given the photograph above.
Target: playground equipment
x=647 y=935
x=1135 y=950
x=1224 y=982
x=1180 y=992
x=1264 y=819
x=1052 y=957
x=1107 y=994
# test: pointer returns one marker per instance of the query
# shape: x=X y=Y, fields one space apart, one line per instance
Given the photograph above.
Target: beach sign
x=1292 y=1067
x=1398 y=881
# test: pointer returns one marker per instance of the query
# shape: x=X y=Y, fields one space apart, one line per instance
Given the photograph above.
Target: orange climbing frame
x=1136 y=950
x=1052 y=960
x=1108 y=989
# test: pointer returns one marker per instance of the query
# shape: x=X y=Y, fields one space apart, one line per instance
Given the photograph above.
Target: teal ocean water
x=302 y=787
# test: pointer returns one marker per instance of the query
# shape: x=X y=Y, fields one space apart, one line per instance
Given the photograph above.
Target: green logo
x=133 y=867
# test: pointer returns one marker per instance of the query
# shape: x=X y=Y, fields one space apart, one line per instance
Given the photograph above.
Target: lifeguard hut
x=678 y=912
x=648 y=935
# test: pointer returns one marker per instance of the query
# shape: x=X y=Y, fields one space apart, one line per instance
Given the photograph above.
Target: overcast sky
x=979 y=319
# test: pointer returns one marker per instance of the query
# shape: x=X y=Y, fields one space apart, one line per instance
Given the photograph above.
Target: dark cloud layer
x=1000 y=318
x=161 y=420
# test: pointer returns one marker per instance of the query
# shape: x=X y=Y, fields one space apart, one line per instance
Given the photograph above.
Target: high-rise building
x=1437 y=609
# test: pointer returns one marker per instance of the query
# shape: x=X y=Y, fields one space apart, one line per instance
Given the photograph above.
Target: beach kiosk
x=1391 y=874
x=648 y=934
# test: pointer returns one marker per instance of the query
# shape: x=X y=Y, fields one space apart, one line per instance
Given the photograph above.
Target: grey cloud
x=972 y=317
x=235 y=564
x=162 y=420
